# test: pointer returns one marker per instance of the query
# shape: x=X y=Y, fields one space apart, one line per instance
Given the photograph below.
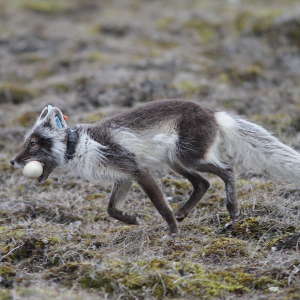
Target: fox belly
x=153 y=148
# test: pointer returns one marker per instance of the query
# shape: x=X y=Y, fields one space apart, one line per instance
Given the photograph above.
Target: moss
x=295 y=123
x=290 y=294
x=256 y=22
x=5 y=167
x=254 y=227
x=188 y=87
x=67 y=273
x=250 y=73
x=7 y=275
x=112 y=29
x=160 y=278
x=181 y=186
x=98 y=56
x=165 y=23
x=16 y=93
x=250 y=227
x=243 y=21
x=44 y=72
x=197 y=228
x=27 y=119
x=30 y=247
x=5 y=295
x=246 y=189
x=32 y=58
x=14 y=233
x=93 y=117
x=60 y=87
x=266 y=22
x=95 y=196
x=207 y=31
x=225 y=247
x=46 y=6
x=285 y=241
x=280 y=123
x=7 y=271
x=156 y=47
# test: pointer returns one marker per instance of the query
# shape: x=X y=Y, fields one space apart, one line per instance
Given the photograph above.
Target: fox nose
x=12 y=162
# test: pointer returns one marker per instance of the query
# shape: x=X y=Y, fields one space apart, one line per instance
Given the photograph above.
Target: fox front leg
x=119 y=193
x=150 y=187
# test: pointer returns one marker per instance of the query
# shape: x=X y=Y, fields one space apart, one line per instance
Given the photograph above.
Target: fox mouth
x=47 y=170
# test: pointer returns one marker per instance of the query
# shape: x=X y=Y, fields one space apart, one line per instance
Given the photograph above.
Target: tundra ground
x=96 y=58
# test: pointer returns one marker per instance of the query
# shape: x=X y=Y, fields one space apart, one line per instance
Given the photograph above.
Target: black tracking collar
x=72 y=141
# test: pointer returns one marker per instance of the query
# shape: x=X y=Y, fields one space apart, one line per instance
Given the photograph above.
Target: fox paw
x=180 y=216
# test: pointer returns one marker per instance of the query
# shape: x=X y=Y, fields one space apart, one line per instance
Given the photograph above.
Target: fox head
x=45 y=142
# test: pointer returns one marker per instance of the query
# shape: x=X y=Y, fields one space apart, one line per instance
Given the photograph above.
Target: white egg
x=33 y=169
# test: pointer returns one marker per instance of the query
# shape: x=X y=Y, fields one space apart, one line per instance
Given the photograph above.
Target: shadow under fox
x=179 y=135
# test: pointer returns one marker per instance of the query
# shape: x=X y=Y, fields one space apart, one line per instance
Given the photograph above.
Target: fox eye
x=33 y=143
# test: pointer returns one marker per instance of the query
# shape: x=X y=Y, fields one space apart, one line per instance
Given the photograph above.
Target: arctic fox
x=180 y=135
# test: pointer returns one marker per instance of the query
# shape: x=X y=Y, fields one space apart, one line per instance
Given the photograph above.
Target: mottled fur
x=179 y=135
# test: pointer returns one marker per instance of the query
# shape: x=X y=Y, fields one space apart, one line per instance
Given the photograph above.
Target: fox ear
x=52 y=117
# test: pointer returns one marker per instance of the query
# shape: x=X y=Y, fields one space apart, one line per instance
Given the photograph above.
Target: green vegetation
x=160 y=278
x=16 y=93
x=47 y=6
x=27 y=119
x=225 y=247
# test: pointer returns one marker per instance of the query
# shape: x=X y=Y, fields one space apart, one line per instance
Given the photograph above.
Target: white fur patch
x=153 y=147
x=89 y=162
x=225 y=120
x=213 y=153
x=227 y=123
x=253 y=149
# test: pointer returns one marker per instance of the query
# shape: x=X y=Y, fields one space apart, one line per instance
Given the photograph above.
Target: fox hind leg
x=200 y=186
x=226 y=173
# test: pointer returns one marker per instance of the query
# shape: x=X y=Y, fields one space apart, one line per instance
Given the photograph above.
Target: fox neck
x=72 y=138
x=64 y=146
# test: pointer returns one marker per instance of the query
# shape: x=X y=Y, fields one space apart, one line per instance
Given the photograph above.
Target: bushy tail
x=255 y=149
